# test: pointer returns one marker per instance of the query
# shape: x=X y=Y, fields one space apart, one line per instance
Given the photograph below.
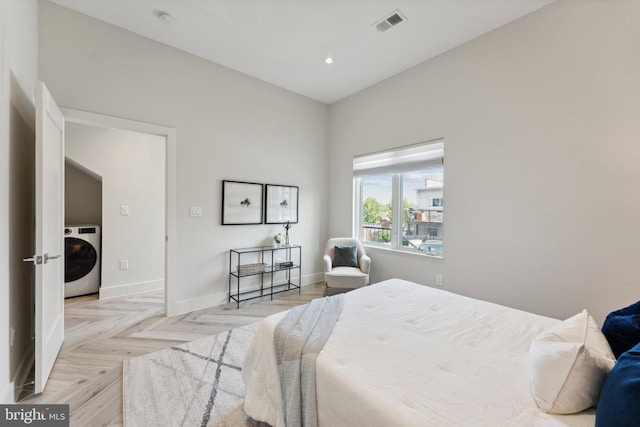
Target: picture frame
x=241 y=203
x=281 y=204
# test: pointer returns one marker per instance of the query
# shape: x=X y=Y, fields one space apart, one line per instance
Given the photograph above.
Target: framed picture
x=241 y=203
x=281 y=204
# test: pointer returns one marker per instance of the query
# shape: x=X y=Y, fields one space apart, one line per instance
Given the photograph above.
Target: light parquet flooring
x=101 y=334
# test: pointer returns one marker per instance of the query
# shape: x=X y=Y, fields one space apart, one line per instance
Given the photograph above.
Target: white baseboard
x=7 y=396
x=130 y=289
x=312 y=278
x=24 y=370
x=219 y=298
x=187 y=306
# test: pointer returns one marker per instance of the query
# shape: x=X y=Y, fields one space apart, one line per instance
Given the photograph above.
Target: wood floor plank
x=101 y=334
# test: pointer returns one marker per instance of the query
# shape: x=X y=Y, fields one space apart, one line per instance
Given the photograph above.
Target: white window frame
x=397 y=168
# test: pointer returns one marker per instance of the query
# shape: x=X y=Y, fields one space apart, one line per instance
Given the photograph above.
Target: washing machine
x=81 y=260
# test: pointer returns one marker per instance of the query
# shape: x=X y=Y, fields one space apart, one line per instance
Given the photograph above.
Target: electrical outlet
x=124 y=210
x=439 y=280
x=13 y=335
x=124 y=264
x=195 y=211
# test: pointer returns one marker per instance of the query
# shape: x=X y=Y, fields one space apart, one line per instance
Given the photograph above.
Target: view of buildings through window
x=398 y=197
x=422 y=193
x=422 y=209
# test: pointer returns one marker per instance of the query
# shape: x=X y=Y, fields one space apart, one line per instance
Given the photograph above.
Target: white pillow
x=569 y=364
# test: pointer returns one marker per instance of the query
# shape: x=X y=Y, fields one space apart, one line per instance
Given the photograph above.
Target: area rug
x=195 y=384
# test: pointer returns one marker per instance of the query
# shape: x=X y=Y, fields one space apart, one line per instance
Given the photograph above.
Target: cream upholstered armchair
x=346 y=265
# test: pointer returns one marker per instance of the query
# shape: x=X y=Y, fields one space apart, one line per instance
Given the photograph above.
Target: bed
x=403 y=354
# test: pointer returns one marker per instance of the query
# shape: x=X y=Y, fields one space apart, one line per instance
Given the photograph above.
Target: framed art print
x=281 y=204
x=241 y=203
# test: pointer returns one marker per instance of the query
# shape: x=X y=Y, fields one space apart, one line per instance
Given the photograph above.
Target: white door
x=49 y=244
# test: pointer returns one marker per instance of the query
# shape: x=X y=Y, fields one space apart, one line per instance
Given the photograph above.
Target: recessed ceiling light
x=164 y=17
x=328 y=60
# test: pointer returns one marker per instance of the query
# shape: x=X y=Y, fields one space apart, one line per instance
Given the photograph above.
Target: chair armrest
x=327 y=263
x=365 y=264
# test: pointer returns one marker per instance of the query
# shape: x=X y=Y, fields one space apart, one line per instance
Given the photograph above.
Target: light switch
x=124 y=210
x=196 y=211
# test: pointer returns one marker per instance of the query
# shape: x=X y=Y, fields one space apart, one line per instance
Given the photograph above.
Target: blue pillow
x=345 y=256
x=619 y=404
x=622 y=328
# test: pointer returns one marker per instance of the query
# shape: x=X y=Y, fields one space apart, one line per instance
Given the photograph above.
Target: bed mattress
x=403 y=354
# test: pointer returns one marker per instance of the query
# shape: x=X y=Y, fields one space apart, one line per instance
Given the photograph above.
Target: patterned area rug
x=195 y=384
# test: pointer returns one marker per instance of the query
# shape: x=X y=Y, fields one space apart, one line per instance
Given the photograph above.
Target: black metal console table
x=265 y=261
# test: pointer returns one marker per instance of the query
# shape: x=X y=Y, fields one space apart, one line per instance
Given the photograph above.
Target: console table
x=264 y=262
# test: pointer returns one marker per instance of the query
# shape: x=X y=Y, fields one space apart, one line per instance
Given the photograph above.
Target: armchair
x=343 y=272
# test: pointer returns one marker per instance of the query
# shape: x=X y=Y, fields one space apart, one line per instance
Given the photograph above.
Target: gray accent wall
x=82 y=195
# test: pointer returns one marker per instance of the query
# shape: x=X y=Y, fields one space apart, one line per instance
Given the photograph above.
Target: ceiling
x=285 y=42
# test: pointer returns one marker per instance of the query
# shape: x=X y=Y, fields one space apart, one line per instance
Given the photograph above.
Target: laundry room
x=114 y=211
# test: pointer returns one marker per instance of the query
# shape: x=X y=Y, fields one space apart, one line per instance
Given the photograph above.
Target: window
x=377 y=208
x=398 y=198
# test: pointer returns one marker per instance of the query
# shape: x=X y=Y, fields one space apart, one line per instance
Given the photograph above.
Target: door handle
x=37 y=259
x=47 y=257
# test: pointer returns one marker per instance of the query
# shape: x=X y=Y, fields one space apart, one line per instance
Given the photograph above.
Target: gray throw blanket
x=298 y=339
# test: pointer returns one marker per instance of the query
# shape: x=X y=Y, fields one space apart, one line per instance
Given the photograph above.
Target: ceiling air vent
x=393 y=19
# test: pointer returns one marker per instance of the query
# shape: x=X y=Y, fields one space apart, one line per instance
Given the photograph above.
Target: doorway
x=44 y=356
x=107 y=128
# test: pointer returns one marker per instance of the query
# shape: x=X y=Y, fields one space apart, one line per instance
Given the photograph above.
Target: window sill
x=401 y=251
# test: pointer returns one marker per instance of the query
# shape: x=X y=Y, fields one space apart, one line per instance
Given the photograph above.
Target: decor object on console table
x=287 y=226
x=264 y=261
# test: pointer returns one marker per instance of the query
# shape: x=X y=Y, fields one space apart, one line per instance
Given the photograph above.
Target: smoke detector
x=393 y=19
x=164 y=17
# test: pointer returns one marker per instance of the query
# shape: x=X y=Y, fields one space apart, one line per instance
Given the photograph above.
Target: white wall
x=543 y=116
x=132 y=167
x=229 y=126
x=18 y=70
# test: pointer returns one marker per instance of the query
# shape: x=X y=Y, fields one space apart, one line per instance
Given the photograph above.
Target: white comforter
x=403 y=354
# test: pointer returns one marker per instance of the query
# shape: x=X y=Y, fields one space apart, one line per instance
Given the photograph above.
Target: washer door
x=80 y=258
